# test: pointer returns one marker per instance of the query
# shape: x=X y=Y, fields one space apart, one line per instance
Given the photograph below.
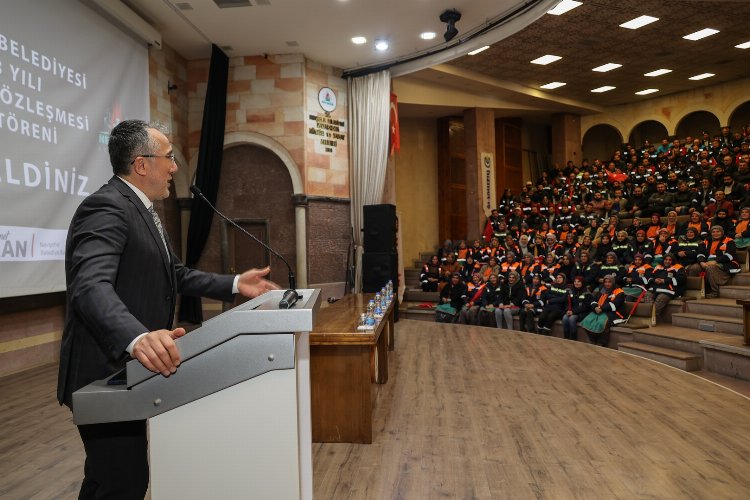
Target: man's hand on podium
x=157 y=351
x=251 y=283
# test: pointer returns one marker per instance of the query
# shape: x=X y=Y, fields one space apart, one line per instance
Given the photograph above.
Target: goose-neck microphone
x=290 y=296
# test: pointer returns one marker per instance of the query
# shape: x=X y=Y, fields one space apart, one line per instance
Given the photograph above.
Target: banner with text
x=65 y=80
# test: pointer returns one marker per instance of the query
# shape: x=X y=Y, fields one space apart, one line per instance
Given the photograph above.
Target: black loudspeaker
x=379 y=223
x=377 y=269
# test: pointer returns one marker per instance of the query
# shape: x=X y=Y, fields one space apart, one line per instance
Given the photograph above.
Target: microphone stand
x=290 y=296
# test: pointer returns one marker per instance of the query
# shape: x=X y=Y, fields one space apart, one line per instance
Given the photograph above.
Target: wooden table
x=344 y=362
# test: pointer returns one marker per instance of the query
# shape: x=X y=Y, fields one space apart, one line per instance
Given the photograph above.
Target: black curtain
x=208 y=173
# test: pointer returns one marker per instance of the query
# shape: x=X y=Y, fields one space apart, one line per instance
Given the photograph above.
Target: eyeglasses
x=170 y=156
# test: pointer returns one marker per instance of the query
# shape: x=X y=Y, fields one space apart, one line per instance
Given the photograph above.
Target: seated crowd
x=564 y=248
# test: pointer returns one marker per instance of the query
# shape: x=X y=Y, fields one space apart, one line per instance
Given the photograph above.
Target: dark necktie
x=157 y=222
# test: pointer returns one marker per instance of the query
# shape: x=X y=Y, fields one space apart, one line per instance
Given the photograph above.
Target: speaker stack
x=380 y=260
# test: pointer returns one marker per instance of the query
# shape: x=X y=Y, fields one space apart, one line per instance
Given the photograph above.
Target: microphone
x=290 y=296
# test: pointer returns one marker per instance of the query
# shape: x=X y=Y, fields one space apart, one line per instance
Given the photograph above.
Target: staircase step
x=741 y=279
x=727 y=308
x=425 y=257
x=417 y=295
x=709 y=323
x=678 y=338
x=694 y=283
x=728 y=357
x=735 y=292
x=679 y=359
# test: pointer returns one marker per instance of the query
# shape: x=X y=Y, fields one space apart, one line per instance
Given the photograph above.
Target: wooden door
x=452 y=212
x=509 y=154
x=240 y=252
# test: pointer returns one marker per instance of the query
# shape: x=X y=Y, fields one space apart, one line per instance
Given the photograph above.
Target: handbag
x=444 y=313
x=594 y=323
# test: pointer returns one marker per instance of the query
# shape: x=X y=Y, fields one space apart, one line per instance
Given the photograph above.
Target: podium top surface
x=258 y=316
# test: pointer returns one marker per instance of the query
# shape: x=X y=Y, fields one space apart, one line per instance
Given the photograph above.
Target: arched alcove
x=256 y=191
x=298 y=198
x=600 y=142
x=740 y=117
x=648 y=130
x=693 y=124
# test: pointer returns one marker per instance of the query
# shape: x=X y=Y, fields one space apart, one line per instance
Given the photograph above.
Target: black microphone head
x=194 y=189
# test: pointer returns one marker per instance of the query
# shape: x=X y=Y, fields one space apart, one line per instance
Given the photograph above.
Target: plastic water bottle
x=370 y=321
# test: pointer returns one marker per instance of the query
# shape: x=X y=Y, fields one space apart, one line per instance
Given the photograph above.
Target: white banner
x=67 y=76
x=19 y=244
x=489 y=199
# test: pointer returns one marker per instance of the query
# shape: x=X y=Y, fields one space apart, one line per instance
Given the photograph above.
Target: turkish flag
x=616 y=176
x=488 y=232
x=395 y=132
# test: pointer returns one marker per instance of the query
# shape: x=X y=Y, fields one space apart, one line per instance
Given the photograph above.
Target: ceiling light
x=606 y=67
x=639 y=22
x=477 y=51
x=701 y=76
x=606 y=88
x=546 y=59
x=428 y=35
x=564 y=7
x=701 y=34
x=359 y=40
x=745 y=45
x=646 y=91
x=552 y=85
x=658 y=72
x=381 y=45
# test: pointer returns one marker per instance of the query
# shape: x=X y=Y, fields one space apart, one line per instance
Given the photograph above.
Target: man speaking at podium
x=122 y=281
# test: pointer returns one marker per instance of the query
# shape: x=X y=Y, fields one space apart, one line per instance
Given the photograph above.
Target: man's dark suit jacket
x=120 y=284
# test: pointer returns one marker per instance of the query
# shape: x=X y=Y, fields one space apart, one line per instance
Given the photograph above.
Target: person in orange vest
x=636 y=276
x=512 y=295
x=510 y=264
x=555 y=304
x=608 y=308
x=667 y=282
x=468 y=315
x=719 y=261
x=532 y=305
x=579 y=305
x=492 y=267
x=742 y=229
x=431 y=274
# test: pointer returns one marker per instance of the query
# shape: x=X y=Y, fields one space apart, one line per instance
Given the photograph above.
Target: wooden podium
x=234 y=420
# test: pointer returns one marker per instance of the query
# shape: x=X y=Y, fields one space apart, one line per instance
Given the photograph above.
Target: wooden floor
x=472 y=412
x=486 y=413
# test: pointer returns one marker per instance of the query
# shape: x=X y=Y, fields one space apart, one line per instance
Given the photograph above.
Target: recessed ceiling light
x=552 y=85
x=359 y=40
x=701 y=34
x=606 y=88
x=546 y=59
x=639 y=22
x=606 y=67
x=745 y=45
x=646 y=91
x=477 y=51
x=564 y=7
x=701 y=76
x=658 y=72
x=381 y=45
x=428 y=35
